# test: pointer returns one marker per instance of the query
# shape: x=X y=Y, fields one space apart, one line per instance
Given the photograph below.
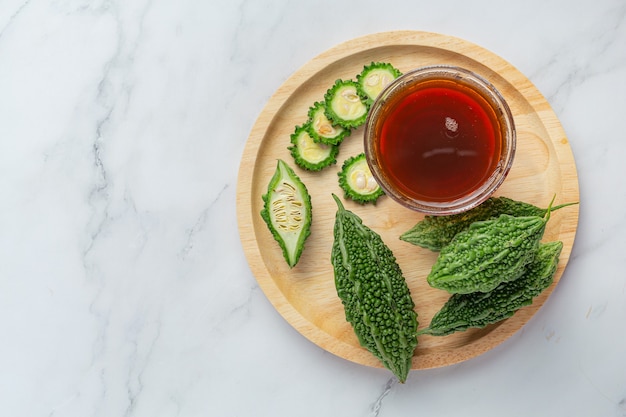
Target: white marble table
x=124 y=290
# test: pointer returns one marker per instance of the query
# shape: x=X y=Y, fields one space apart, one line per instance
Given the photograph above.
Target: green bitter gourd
x=488 y=253
x=434 y=232
x=374 y=78
x=357 y=181
x=287 y=212
x=374 y=293
x=477 y=310
x=344 y=106
x=323 y=130
x=311 y=155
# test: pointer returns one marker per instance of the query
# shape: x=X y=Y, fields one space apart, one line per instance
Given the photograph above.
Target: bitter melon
x=488 y=253
x=477 y=310
x=344 y=106
x=434 y=232
x=357 y=181
x=323 y=130
x=287 y=211
x=374 y=293
x=374 y=78
x=308 y=154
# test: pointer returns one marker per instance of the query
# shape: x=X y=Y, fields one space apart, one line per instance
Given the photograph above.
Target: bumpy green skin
x=434 y=232
x=338 y=119
x=477 y=310
x=487 y=253
x=362 y=77
x=287 y=187
x=375 y=295
x=299 y=154
x=351 y=192
x=319 y=110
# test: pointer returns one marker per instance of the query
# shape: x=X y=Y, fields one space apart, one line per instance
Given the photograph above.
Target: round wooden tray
x=305 y=295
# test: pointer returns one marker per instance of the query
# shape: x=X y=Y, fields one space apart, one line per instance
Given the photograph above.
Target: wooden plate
x=305 y=295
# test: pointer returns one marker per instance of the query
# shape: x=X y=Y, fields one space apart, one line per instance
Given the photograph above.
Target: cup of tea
x=440 y=139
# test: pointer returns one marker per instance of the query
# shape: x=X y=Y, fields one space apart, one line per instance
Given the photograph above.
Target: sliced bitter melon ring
x=287 y=212
x=374 y=78
x=357 y=181
x=344 y=105
x=308 y=154
x=323 y=130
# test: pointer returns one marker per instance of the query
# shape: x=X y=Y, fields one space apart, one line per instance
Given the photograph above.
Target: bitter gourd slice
x=434 y=232
x=357 y=181
x=344 y=106
x=488 y=253
x=323 y=130
x=287 y=212
x=374 y=293
x=311 y=155
x=477 y=310
x=374 y=78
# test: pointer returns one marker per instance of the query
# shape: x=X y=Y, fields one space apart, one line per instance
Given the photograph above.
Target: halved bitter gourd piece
x=374 y=78
x=323 y=130
x=308 y=154
x=357 y=181
x=344 y=106
x=287 y=212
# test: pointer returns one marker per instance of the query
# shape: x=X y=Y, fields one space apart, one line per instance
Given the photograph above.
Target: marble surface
x=124 y=290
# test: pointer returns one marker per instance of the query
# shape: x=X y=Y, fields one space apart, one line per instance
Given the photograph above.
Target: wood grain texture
x=305 y=295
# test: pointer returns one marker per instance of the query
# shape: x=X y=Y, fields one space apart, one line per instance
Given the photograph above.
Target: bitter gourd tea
x=440 y=140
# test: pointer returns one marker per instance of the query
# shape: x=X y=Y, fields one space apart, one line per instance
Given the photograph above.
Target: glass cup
x=440 y=140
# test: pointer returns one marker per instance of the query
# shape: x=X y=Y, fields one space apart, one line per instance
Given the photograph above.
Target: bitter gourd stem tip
x=338 y=201
x=549 y=209
x=560 y=206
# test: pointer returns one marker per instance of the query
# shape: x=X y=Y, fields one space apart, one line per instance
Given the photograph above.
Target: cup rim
x=488 y=91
